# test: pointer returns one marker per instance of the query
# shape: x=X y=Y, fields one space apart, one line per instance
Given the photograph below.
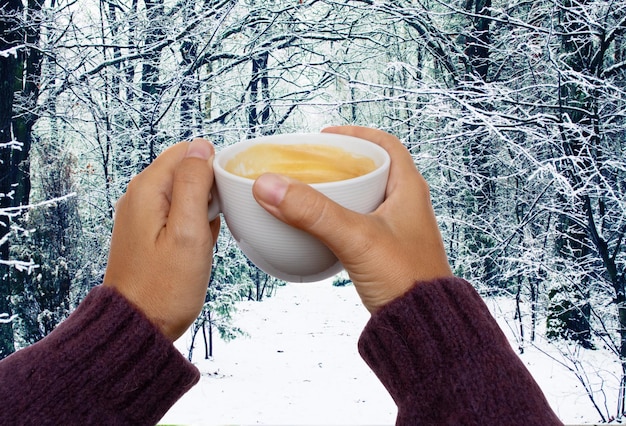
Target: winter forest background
x=514 y=112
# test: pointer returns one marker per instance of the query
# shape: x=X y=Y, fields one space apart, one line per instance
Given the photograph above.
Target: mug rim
x=244 y=143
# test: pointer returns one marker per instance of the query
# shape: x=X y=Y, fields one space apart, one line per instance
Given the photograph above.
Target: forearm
x=106 y=364
x=445 y=360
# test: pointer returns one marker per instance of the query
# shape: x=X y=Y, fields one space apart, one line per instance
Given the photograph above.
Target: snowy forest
x=515 y=112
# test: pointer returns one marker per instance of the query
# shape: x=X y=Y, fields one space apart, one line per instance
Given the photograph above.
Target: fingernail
x=271 y=188
x=200 y=148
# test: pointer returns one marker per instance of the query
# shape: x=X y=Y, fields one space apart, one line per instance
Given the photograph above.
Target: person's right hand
x=385 y=252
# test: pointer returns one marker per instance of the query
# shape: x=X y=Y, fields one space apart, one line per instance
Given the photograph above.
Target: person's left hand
x=162 y=244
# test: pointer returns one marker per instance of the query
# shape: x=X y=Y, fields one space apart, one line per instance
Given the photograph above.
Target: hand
x=385 y=252
x=162 y=243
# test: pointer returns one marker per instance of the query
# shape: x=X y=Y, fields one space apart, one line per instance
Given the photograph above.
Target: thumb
x=191 y=189
x=299 y=205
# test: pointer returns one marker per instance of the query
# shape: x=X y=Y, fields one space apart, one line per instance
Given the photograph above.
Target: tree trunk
x=209 y=323
x=573 y=243
x=9 y=77
x=150 y=87
x=258 y=107
x=479 y=151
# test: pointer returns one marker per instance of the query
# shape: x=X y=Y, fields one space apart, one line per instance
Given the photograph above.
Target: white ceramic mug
x=278 y=249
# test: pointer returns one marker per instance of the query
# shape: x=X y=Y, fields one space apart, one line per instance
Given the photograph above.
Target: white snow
x=299 y=365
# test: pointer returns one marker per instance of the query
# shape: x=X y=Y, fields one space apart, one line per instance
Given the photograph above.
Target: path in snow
x=299 y=365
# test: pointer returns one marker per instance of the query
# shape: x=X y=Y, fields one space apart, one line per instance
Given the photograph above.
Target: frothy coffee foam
x=309 y=163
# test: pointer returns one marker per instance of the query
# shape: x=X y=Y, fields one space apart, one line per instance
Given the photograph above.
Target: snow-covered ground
x=299 y=365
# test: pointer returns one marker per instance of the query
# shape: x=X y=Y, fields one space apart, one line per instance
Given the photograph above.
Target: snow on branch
x=15 y=211
x=20 y=265
x=9 y=212
x=5 y=318
x=12 y=51
x=11 y=144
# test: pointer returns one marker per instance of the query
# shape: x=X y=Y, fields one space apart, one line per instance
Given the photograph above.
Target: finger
x=165 y=163
x=397 y=151
x=302 y=207
x=402 y=164
x=119 y=204
x=148 y=194
x=215 y=229
x=405 y=181
x=191 y=189
x=158 y=176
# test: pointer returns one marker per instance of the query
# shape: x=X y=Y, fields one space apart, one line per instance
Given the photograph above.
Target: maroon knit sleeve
x=106 y=364
x=444 y=360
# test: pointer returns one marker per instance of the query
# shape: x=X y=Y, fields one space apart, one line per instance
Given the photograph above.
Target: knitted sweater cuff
x=108 y=363
x=444 y=360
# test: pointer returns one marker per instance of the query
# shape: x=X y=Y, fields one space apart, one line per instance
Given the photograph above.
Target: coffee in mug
x=309 y=163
